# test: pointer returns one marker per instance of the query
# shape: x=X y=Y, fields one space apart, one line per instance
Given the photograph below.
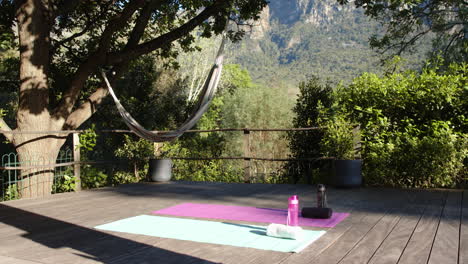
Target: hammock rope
x=204 y=99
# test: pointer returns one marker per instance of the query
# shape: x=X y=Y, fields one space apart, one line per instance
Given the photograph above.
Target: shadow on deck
x=385 y=226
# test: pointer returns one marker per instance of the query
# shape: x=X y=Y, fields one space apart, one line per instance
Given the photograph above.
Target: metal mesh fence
x=13 y=184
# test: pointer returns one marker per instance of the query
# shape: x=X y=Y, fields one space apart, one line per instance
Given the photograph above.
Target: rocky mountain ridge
x=294 y=39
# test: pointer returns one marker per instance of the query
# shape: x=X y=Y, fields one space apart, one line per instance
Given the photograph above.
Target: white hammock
x=204 y=100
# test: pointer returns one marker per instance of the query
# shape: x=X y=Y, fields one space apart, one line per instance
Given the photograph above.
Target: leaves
x=413 y=124
x=135 y=150
x=407 y=22
x=88 y=140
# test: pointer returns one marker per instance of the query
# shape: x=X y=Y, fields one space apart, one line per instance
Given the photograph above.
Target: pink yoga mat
x=245 y=213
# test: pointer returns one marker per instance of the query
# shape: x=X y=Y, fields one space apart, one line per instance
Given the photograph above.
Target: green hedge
x=414 y=127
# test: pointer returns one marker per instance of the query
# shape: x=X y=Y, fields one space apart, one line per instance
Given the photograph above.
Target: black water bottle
x=321 y=196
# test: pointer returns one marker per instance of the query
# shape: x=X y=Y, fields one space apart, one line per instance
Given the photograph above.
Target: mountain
x=295 y=39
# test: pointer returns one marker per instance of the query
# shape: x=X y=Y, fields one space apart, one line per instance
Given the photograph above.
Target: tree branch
x=121 y=59
x=94 y=60
x=117 y=23
x=90 y=24
x=85 y=110
x=66 y=7
x=141 y=23
x=4 y=126
x=154 y=44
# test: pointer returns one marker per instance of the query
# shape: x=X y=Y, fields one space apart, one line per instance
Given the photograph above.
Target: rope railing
x=65 y=164
x=246 y=157
x=188 y=131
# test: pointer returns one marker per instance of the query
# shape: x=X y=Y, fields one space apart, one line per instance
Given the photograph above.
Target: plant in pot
x=140 y=151
x=339 y=141
x=160 y=169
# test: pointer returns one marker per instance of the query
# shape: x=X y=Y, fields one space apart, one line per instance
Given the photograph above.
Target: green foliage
x=293 y=45
x=256 y=106
x=234 y=77
x=65 y=182
x=11 y=192
x=306 y=144
x=200 y=145
x=92 y=177
x=409 y=160
x=338 y=138
x=239 y=103
x=408 y=100
x=7 y=35
x=406 y=22
x=124 y=177
x=153 y=95
x=414 y=126
x=311 y=94
x=88 y=140
x=135 y=150
x=9 y=79
x=212 y=171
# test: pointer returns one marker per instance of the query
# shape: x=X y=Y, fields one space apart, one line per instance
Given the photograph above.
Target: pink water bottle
x=293 y=211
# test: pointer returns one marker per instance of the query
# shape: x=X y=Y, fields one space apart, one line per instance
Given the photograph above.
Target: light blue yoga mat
x=223 y=233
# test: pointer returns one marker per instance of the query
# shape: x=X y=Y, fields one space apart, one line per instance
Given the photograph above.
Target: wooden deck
x=385 y=226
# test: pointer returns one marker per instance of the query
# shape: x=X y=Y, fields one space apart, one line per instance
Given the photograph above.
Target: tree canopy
x=406 y=22
x=63 y=44
x=66 y=42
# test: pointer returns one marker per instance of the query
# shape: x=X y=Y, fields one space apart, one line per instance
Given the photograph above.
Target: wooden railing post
x=77 y=158
x=247 y=155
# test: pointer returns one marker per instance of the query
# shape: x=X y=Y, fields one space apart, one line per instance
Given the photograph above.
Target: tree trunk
x=33 y=114
x=40 y=152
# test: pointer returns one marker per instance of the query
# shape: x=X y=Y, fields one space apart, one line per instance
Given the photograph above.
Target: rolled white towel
x=284 y=231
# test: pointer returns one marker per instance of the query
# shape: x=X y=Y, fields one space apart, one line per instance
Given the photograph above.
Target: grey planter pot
x=160 y=170
x=347 y=173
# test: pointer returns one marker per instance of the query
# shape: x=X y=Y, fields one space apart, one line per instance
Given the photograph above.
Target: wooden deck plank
x=377 y=206
x=47 y=231
x=348 y=240
x=446 y=242
x=233 y=255
x=392 y=247
x=419 y=246
x=168 y=254
x=364 y=250
x=307 y=197
x=463 y=247
x=333 y=234
x=10 y=260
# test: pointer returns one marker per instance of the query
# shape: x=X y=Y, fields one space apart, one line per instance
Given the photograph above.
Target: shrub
x=337 y=140
x=435 y=160
x=124 y=177
x=65 y=182
x=306 y=144
x=92 y=177
x=137 y=151
x=413 y=124
x=11 y=192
